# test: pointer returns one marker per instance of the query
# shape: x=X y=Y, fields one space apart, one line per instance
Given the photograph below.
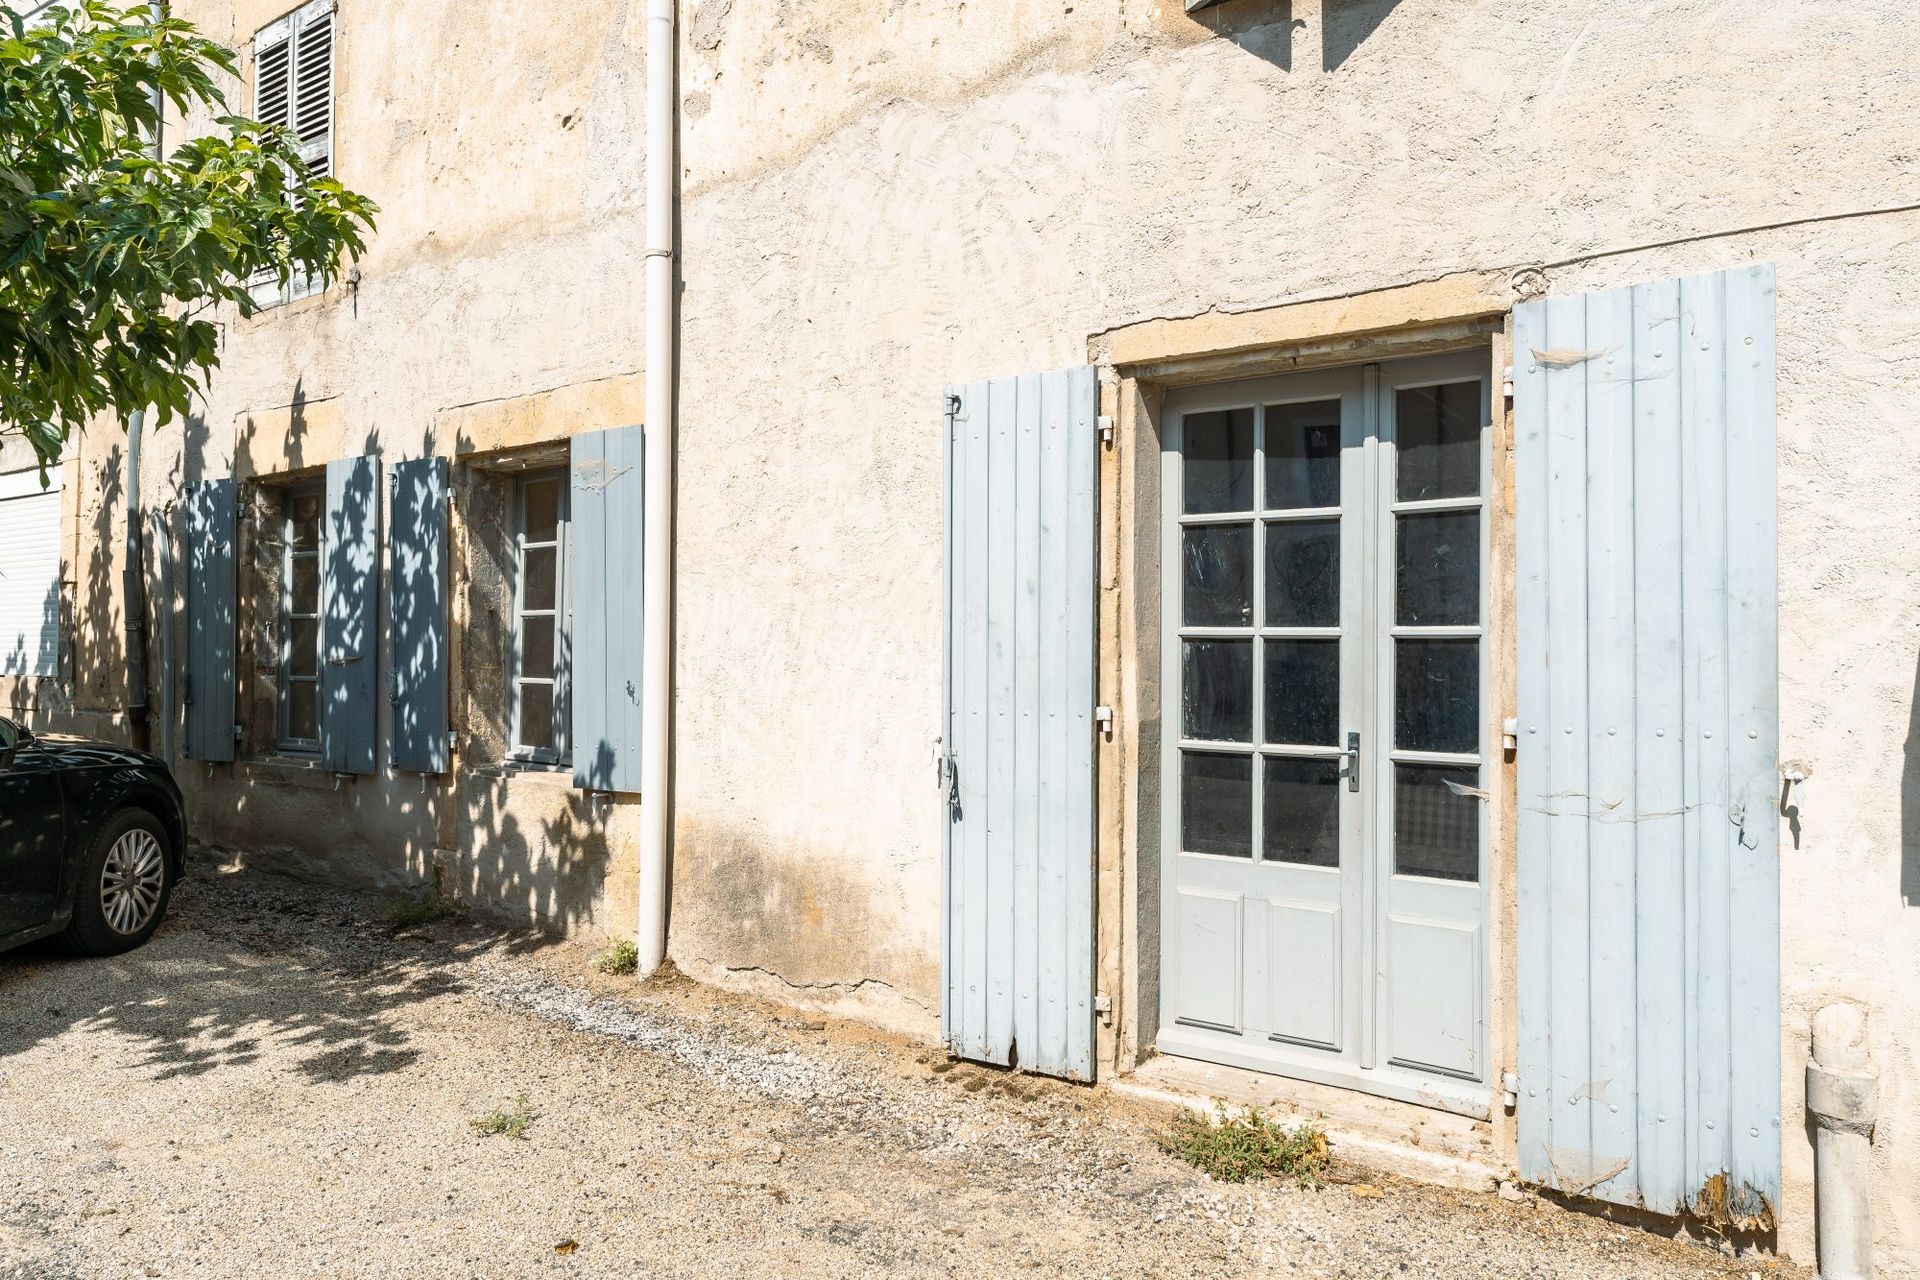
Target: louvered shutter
x=293 y=88
x=1022 y=529
x=1648 y=680
x=350 y=622
x=210 y=620
x=417 y=614
x=29 y=574
x=605 y=571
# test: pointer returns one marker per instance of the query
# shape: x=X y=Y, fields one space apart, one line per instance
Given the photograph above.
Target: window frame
x=284 y=740
x=288 y=29
x=560 y=754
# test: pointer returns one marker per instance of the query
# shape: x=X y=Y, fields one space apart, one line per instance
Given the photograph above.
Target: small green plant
x=410 y=912
x=510 y=1123
x=620 y=958
x=1231 y=1147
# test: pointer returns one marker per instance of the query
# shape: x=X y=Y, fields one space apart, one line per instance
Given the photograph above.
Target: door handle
x=1352 y=756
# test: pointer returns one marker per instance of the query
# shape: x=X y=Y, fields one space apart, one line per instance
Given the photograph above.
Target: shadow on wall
x=1910 y=805
x=1265 y=28
x=1345 y=26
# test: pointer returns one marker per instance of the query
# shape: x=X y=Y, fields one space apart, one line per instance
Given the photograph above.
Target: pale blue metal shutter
x=1649 y=973
x=1021 y=563
x=350 y=627
x=604 y=576
x=417 y=614
x=209 y=690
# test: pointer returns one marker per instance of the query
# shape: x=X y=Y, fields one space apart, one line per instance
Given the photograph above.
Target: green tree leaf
x=111 y=259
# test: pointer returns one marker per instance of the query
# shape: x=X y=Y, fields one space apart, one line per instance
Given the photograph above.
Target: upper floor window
x=538 y=716
x=293 y=88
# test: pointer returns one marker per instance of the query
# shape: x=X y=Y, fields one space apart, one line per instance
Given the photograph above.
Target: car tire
x=122 y=895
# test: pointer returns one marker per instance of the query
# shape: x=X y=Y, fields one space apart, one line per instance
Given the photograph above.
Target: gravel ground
x=280 y=1086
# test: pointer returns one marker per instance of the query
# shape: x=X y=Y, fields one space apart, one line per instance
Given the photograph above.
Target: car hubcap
x=130 y=885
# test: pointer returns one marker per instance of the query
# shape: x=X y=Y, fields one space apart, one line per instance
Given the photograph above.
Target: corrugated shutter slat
x=210 y=620
x=417 y=614
x=1649 y=999
x=350 y=623
x=605 y=570
x=1021 y=540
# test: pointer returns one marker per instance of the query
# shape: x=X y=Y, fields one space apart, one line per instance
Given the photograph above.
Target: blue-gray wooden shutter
x=211 y=628
x=1022 y=471
x=417 y=615
x=605 y=564
x=350 y=627
x=1649 y=973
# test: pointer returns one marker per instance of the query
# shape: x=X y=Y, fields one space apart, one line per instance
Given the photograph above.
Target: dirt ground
x=280 y=1085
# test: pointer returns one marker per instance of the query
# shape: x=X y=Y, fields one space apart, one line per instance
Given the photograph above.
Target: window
x=537 y=717
x=29 y=574
x=293 y=88
x=300 y=608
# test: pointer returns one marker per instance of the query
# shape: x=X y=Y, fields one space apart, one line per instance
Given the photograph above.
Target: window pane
x=1438 y=569
x=1302 y=817
x=303 y=521
x=1436 y=695
x=1218 y=694
x=1303 y=573
x=303 y=709
x=1303 y=692
x=303 y=647
x=304 y=590
x=1438 y=441
x=1436 y=830
x=1218 y=461
x=1303 y=455
x=540 y=562
x=543 y=510
x=1216 y=804
x=536 y=649
x=536 y=715
x=1219 y=575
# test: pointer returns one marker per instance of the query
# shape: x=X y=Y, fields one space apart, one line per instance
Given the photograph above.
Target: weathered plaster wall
x=879 y=200
x=492 y=312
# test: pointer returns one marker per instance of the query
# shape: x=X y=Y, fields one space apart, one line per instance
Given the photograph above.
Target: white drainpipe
x=1842 y=1084
x=656 y=707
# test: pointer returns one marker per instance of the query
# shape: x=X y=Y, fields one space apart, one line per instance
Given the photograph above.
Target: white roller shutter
x=29 y=574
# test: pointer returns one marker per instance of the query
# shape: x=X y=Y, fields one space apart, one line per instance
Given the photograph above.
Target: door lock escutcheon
x=1352 y=756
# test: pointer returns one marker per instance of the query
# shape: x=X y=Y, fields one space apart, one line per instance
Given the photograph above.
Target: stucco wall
x=886 y=201
x=879 y=200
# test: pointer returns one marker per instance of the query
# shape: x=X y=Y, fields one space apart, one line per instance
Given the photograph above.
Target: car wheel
x=124 y=886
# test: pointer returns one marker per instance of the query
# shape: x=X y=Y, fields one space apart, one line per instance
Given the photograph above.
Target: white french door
x=1324 y=594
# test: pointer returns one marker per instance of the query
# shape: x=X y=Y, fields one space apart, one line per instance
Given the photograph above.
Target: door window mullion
x=1259 y=671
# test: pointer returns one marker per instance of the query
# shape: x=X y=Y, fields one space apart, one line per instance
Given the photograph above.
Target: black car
x=91 y=842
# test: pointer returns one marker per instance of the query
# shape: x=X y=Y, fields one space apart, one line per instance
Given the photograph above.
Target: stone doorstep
x=1372 y=1131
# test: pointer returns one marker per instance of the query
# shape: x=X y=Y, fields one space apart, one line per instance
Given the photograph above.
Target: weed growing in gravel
x=509 y=1124
x=409 y=912
x=1234 y=1148
x=620 y=958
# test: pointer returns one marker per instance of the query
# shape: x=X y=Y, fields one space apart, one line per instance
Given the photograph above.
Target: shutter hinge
x=1506 y=382
x=1510 y=1084
x=1105 y=423
x=1103 y=716
x=239 y=733
x=1103 y=1007
x=1510 y=734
